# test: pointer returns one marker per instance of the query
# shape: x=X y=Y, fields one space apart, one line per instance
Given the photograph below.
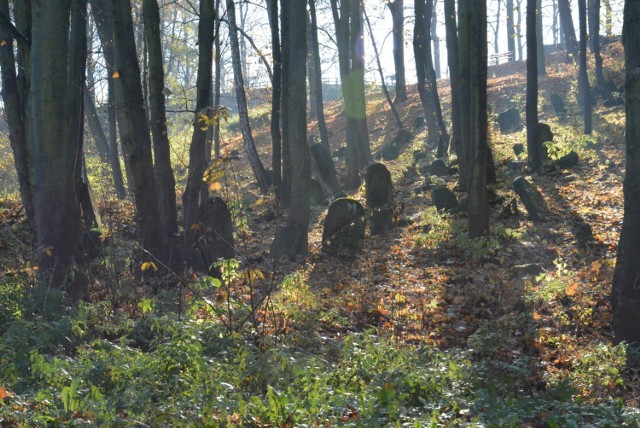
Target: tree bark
x=511 y=34
x=594 y=37
x=478 y=210
x=583 y=76
x=51 y=153
x=454 y=70
x=534 y=151
x=276 y=98
x=135 y=131
x=93 y=120
x=14 y=113
x=196 y=187
x=625 y=293
x=216 y=82
x=315 y=52
x=259 y=172
x=564 y=9
x=427 y=84
x=295 y=126
x=436 y=40
x=540 y=40
x=397 y=15
x=163 y=173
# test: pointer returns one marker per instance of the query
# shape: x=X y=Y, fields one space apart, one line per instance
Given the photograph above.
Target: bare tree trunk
x=194 y=191
x=135 y=132
x=254 y=160
x=540 y=40
x=454 y=69
x=478 y=210
x=397 y=14
x=625 y=293
x=93 y=120
x=583 y=77
x=436 y=40
x=511 y=34
x=14 y=113
x=534 y=151
x=568 y=29
x=396 y=116
x=594 y=36
x=519 y=30
x=163 y=173
x=295 y=124
x=314 y=48
x=276 y=99
x=496 y=31
x=216 y=81
x=51 y=154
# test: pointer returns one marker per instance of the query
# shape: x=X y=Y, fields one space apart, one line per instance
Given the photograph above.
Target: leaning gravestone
x=344 y=226
x=509 y=121
x=379 y=197
x=530 y=197
x=327 y=168
x=444 y=199
x=558 y=105
x=217 y=235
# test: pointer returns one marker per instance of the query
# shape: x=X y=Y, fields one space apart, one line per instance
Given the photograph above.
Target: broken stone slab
x=344 y=227
x=379 y=197
x=558 y=105
x=444 y=199
x=568 y=161
x=509 y=121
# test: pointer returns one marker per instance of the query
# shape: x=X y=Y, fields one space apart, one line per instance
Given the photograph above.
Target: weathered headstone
x=419 y=122
x=568 y=161
x=326 y=168
x=316 y=193
x=438 y=168
x=419 y=155
x=344 y=226
x=379 y=197
x=444 y=199
x=392 y=149
x=216 y=241
x=558 y=105
x=583 y=233
x=530 y=197
x=509 y=121
x=518 y=149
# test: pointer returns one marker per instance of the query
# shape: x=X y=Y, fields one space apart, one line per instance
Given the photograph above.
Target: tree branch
x=6 y=23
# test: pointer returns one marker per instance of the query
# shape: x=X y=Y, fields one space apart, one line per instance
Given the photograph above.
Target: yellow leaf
x=215 y=187
x=48 y=250
x=572 y=289
x=4 y=393
x=149 y=265
x=115 y=74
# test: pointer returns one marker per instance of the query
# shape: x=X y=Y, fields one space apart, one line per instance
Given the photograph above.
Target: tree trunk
x=583 y=77
x=436 y=40
x=14 y=113
x=511 y=34
x=93 y=120
x=295 y=125
x=101 y=11
x=311 y=75
x=259 y=172
x=453 y=61
x=348 y=21
x=135 y=131
x=608 y=18
x=519 y=30
x=276 y=98
x=163 y=173
x=464 y=90
x=216 y=82
x=396 y=116
x=52 y=156
x=534 y=151
x=76 y=95
x=478 y=210
x=625 y=293
x=193 y=193
x=427 y=85
x=540 y=40
x=496 y=32
x=397 y=14
x=315 y=52
x=564 y=9
x=594 y=37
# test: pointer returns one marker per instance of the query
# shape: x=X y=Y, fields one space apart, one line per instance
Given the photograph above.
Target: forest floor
x=530 y=300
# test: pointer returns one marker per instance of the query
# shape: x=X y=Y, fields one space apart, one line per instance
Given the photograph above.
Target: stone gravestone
x=379 y=197
x=558 y=105
x=344 y=226
x=326 y=168
x=509 y=121
x=393 y=148
x=419 y=122
x=568 y=161
x=530 y=197
x=216 y=241
x=316 y=193
x=444 y=199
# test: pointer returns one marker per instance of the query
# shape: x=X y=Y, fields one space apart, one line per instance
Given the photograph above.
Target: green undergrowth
x=96 y=366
